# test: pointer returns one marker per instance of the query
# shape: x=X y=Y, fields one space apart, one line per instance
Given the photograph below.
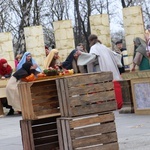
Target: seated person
x=27 y=57
x=12 y=93
x=52 y=59
x=5 y=69
x=71 y=63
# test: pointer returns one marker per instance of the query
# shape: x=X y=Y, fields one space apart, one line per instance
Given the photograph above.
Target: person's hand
x=133 y=69
x=2 y=77
x=34 y=66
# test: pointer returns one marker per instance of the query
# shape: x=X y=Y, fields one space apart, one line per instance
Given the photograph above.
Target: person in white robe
x=100 y=58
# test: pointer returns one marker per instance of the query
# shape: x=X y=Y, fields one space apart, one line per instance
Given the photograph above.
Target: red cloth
x=118 y=94
x=4 y=70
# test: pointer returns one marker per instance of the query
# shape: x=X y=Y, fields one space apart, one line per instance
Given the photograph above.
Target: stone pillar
x=64 y=37
x=6 y=48
x=134 y=27
x=35 y=43
x=100 y=26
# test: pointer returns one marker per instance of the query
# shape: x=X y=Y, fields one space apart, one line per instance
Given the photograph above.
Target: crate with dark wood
x=96 y=132
x=39 y=99
x=86 y=94
x=126 y=92
x=40 y=134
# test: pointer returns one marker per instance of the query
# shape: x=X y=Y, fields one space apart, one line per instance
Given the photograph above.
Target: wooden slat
x=90 y=98
x=94 y=140
x=44 y=140
x=91 y=88
x=48 y=146
x=92 y=120
x=46 y=105
x=46 y=112
x=1 y=108
x=95 y=129
x=26 y=133
x=60 y=134
x=44 y=133
x=64 y=100
x=60 y=97
x=94 y=108
x=90 y=79
x=111 y=146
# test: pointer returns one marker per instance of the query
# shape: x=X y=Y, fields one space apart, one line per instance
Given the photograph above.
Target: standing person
x=47 y=50
x=140 y=57
x=71 y=62
x=5 y=69
x=52 y=59
x=100 y=58
x=27 y=57
x=119 y=49
x=12 y=93
x=17 y=60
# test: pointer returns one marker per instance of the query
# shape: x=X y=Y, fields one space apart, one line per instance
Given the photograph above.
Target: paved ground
x=133 y=132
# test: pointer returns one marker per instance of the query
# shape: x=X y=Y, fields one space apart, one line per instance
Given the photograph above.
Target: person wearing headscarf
x=5 y=69
x=140 y=56
x=11 y=87
x=52 y=59
x=27 y=57
x=71 y=62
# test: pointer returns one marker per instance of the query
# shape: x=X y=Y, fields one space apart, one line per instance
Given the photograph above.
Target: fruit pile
x=66 y=72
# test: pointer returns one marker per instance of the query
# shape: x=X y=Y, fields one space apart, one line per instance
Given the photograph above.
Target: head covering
x=5 y=70
x=67 y=64
x=49 y=58
x=140 y=46
x=23 y=60
x=118 y=42
x=24 y=71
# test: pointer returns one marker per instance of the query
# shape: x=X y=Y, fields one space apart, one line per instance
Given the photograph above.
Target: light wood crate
x=96 y=132
x=86 y=94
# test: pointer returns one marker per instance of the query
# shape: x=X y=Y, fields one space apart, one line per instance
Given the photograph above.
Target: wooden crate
x=39 y=99
x=40 y=134
x=135 y=75
x=96 y=132
x=86 y=94
x=126 y=92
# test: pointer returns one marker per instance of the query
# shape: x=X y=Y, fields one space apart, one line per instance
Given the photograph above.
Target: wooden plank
x=91 y=98
x=95 y=119
x=46 y=105
x=60 y=97
x=48 y=146
x=91 y=130
x=26 y=138
x=110 y=146
x=84 y=89
x=63 y=91
x=94 y=108
x=63 y=125
x=1 y=108
x=94 y=140
x=46 y=112
x=89 y=79
x=60 y=135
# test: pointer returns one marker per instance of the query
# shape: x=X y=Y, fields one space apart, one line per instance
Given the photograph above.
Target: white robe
x=12 y=93
x=106 y=60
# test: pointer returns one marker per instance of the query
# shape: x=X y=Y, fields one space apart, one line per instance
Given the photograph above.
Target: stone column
x=6 y=48
x=100 y=26
x=134 y=27
x=64 y=37
x=35 y=43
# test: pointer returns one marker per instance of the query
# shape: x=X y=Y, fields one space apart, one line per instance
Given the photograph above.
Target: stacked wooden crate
x=40 y=109
x=86 y=104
